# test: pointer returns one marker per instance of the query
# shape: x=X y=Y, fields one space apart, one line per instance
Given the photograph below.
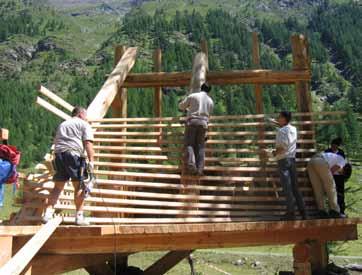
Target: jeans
x=339 y=180
x=288 y=180
x=195 y=143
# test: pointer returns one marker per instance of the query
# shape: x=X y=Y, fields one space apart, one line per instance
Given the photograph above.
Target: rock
x=46 y=44
x=239 y=262
x=256 y=264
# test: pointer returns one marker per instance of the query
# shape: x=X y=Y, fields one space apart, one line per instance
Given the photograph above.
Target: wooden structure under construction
x=144 y=201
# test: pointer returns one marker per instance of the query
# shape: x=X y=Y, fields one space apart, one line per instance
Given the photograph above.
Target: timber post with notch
x=143 y=201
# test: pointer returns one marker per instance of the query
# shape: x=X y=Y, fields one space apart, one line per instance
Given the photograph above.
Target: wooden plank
x=157 y=59
x=180 y=134
x=301 y=255
x=10 y=230
x=23 y=257
x=179 y=79
x=319 y=256
x=164 y=150
x=167 y=262
x=211 y=125
x=6 y=244
x=99 y=106
x=214 y=118
x=44 y=91
x=177 y=168
x=52 y=108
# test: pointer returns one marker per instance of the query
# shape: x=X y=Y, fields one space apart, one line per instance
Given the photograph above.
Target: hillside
x=70 y=50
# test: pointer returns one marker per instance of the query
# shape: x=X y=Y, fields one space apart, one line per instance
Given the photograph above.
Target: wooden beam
x=44 y=91
x=99 y=106
x=184 y=241
x=6 y=244
x=302 y=257
x=199 y=70
x=157 y=57
x=52 y=108
x=181 y=79
x=22 y=258
x=301 y=62
x=57 y=264
x=167 y=262
x=319 y=256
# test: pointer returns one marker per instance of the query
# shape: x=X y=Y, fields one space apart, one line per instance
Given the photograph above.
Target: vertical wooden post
x=301 y=61
x=119 y=105
x=302 y=257
x=6 y=244
x=157 y=57
x=256 y=65
x=319 y=256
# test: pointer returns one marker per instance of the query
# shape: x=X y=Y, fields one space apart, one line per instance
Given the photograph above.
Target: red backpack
x=10 y=153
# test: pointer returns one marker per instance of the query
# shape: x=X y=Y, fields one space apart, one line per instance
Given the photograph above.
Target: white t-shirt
x=287 y=139
x=198 y=105
x=71 y=134
x=334 y=159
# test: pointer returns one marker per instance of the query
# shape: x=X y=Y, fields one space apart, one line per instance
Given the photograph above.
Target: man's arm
x=88 y=145
x=184 y=104
x=335 y=169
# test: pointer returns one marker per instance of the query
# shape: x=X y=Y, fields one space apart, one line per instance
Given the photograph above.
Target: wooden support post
x=167 y=262
x=256 y=64
x=21 y=260
x=319 y=256
x=199 y=70
x=302 y=257
x=6 y=244
x=157 y=57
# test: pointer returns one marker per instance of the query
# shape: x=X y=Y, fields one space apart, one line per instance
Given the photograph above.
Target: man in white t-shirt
x=321 y=169
x=73 y=139
x=286 y=147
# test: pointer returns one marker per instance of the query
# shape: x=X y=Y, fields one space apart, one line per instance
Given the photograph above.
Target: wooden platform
x=136 y=238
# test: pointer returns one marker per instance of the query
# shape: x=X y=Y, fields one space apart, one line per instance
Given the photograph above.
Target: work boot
x=288 y=217
x=335 y=215
x=200 y=172
x=192 y=170
x=322 y=215
x=48 y=215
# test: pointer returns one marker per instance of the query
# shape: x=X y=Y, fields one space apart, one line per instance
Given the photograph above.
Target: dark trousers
x=288 y=180
x=339 y=180
x=195 y=133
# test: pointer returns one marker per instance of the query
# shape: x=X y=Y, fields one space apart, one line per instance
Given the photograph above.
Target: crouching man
x=321 y=169
x=73 y=138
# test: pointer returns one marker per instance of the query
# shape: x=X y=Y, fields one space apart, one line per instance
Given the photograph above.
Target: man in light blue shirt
x=286 y=146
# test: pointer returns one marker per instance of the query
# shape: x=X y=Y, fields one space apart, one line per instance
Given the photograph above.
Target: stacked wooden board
x=140 y=179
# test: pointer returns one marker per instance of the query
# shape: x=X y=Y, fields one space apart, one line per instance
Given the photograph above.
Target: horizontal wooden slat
x=211 y=125
x=228 y=117
x=175 y=186
x=165 y=134
x=210 y=141
x=172 y=204
x=177 y=168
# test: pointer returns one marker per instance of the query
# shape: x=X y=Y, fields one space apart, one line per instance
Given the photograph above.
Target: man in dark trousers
x=339 y=178
x=198 y=106
x=286 y=146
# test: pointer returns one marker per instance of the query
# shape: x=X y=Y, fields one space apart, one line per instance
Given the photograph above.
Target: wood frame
x=68 y=245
